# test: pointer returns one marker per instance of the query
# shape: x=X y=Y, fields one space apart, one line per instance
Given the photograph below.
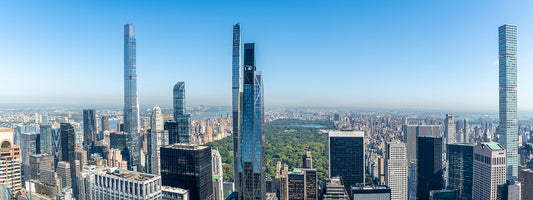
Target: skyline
x=388 y=60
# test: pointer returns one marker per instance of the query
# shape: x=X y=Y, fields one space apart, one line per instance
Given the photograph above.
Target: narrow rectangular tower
x=131 y=102
x=235 y=89
x=508 y=128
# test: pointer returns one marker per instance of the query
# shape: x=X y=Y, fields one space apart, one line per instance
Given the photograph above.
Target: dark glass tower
x=508 y=127
x=347 y=157
x=179 y=99
x=460 y=159
x=429 y=167
x=46 y=138
x=188 y=167
x=251 y=136
x=131 y=102
x=105 y=123
x=89 y=130
x=236 y=82
x=68 y=153
x=179 y=130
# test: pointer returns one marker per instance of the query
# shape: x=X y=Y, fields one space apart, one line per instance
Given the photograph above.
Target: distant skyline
x=440 y=55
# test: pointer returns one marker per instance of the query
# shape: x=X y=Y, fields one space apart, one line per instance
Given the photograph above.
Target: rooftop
x=125 y=174
x=186 y=146
x=174 y=190
x=346 y=133
x=493 y=146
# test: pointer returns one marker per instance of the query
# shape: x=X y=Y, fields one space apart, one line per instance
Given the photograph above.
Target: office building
x=31 y=143
x=179 y=99
x=460 y=168
x=429 y=175
x=131 y=102
x=236 y=82
x=489 y=170
x=307 y=160
x=63 y=172
x=508 y=126
x=118 y=184
x=411 y=132
x=189 y=167
x=335 y=190
x=281 y=181
x=172 y=193
x=114 y=159
x=347 y=157
x=10 y=166
x=443 y=195
x=449 y=129
x=526 y=179
x=466 y=131
x=509 y=191
x=156 y=129
x=105 y=123
x=90 y=129
x=396 y=170
x=376 y=192
x=46 y=139
x=251 y=134
x=218 y=175
x=302 y=184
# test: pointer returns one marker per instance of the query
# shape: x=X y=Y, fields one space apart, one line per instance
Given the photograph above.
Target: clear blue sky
x=390 y=54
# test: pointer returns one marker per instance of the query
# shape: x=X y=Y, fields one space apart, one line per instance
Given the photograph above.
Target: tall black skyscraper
x=429 y=167
x=236 y=83
x=188 y=166
x=460 y=159
x=251 y=135
x=347 y=157
x=89 y=129
x=68 y=153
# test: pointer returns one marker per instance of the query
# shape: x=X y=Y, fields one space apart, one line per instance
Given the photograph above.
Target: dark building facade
x=347 y=157
x=429 y=168
x=307 y=160
x=89 y=129
x=188 y=167
x=105 y=123
x=179 y=131
x=303 y=184
x=460 y=159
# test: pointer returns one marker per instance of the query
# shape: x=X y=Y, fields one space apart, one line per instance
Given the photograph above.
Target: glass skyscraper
x=89 y=130
x=179 y=130
x=251 y=136
x=429 y=167
x=236 y=82
x=179 y=99
x=131 y=102
x=460 y=159
x=347 y=157
x=508 y=128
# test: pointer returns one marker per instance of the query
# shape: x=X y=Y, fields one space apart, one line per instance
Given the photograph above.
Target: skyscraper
x=131 y=102
x=466 y=131
x=189 y=167
x=508 y=128
x=105 y=123
x=68 y=153
x=11 y=175
x=179 y=131
x=429 y=167
x=236 y=83
x=411 y=132
x=302 y=184
x=307 y=160
x=89 y=129
x=489 y=170
x=218 y=174
x=46 y=138
x=449 y=129
x=251 y=136
x=396 y=170
x=155 y=141
x=460 y=168
x=347 y=157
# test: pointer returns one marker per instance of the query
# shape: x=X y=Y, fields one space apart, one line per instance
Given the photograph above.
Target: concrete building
x=118 y=184
x=396 y=170
x=489 y=170
x=218 y=175
x=377 y=192
x=172 y=193
x=10 y=168
x=526 y=179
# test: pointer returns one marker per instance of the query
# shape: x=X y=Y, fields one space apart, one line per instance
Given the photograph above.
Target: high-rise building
x=411 y=132
x=347 y=157
x=46 y=138
x=466 y=131
x=396 y=170
x=302 y=184
x=460 y=158
x=173 y=193
x=188 y=166
x=118 y=184
x=489 y=170
x=10 y=166
x=156 y=129
x=449 y=129
x=281 y=181
x=105 y=123
x=63 y=171
x=508 y=127
x=218 y=175
x=68 y=153
x=375 y=192
x=131 y=102
x=443 y=195
x=307 y=160
x=429 y=168
x=335 y=190
x=179 y=130
x=114 y=159
x=236 y=84
x=179 y=99
x=526 y=178
x=32 y=145
x=251 y=133
x=90 y=129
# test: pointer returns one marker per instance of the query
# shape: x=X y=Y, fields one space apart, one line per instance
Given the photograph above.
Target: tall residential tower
x=236 y=89
x=131 y=102
x=508 y=128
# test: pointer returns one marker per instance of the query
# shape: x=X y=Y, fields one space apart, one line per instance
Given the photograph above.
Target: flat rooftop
x=186 y=146
x=174 y=190
x=346 y=133
x=125 y=174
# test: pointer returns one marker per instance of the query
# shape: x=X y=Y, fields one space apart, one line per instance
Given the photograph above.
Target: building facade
x=396 y=170
x=303 y=184
x=347 y=157
x=118 y=184
x=489 y=170
x=429 y=174
x=10 y=166
x=236 y=83
x=251 y=134
x=131 y=101
x=508 y=126
x=156 y=129
x=218 y=175
x=449 y=129
x=90 y=129
x=376 y=192
x=460 y=168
